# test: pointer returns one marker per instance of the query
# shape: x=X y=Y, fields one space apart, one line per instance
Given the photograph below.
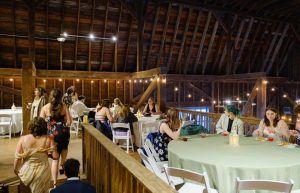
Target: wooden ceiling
x=210 y=37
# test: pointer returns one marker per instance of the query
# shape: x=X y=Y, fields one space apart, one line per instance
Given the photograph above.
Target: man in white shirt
x=79 y=107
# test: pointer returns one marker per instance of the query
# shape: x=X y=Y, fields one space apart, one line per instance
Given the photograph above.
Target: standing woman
x=168 y=131
x=151 y=107
x=272 y=126
x=58 y=119
x=31 y=157
x=38 y=102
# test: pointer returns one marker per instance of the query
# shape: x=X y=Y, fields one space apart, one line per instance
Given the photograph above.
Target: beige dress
x=35 y=173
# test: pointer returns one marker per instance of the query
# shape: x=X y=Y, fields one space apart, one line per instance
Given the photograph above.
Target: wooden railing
x=209 y=120
x=110 y=169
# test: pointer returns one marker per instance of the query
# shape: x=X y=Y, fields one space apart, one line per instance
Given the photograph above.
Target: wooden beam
x=129 y=8
x=152 y=36
x=31 y=32
x=47 y=34
x=237 y=37
x=91 y=30
x=295 y=33
x=140 y=35
x=186 y=65
x=147 y=73
x=10 y=72
x=283 y=61
x=116 y=44
x=186 y=29
x=174 y=37
x=221 y=22
x=261 y=99
x=104 y=34
x=278 y=46
x=246 y=111
x=270 y=48
x=61 y=30
x=14 y=32
x=210 y=46
x=202 y=42
x=198 y=90
x=242 y=46
x=76 y=38
x=147 y=93
x=28 y=72
x=164 y=34
x=128 y=42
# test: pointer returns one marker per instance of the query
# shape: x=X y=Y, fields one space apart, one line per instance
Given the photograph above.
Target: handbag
x=192 y=130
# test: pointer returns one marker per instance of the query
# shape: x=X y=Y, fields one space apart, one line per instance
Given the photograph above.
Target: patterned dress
x=58 y=131
x=160 y=143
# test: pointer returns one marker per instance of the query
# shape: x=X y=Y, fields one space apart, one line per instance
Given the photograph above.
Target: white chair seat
x=296 y=191
x=194 y=188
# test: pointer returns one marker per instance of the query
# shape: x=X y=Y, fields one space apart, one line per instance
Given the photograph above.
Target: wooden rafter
x=116 y=44
x=271 y=47
x=130 y=8
x=201 y=45
x=278 y=46
x=237 y=37
x=152 y=37
x=243 y=45
x=186 y=29
x=187 y=61
x=164 y=34
x=228 y=40
x=295 y=33
x=260 y=43
x=210 y=46
x=218 y=55
x=61 y=29
x=76 y=38
x=284 y=59
x=91 y=30
x=174 y=37
x=221 y=22
x=252 y=42
x=128 y=42
x=47 y=34
x=104 y=34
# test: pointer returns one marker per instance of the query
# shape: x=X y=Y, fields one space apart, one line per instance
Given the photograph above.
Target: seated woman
x=168 y=130
x=272 y=126
x=232 y=124
x=151 y=107
x=295 y=133
x=117 y=107
x=31 y=157
x=102 y=117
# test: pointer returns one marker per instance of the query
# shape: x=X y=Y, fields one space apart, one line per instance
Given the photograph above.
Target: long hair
x=37 y=127
x=276 y=119
x=56 y=104
x=117 y=101
x=124 y=111
x=104 y=103
x=173 y=118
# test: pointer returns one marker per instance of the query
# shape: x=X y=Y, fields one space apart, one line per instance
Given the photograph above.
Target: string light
x=141 y=81
x=11 y=79
x=284 y=96
x=214 y=102
x=151 y=79
x=248 y=94
x=164 y=80
x=157 y=78
x=129 y=81
x=202 y=100
x=77 y=80
x=105 y=80
x=114 y=38
x=91 y=36
x=134 y=81
x=189 y=95
x=60 y=80
x=44 y=80
x=118 y=82
x=176 y=89
x=146 y=81
x=237 y=98
x=273 y=89
x=256 y=88
x=92 y=81
x=265 y=82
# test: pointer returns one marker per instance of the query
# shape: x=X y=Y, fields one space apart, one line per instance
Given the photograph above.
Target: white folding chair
x=122 y=135
x=152 y=153
x=5 y=123
x=189 y=187
x=74 y=128
x=147 y=127
x=277 y=186
x=145 y=160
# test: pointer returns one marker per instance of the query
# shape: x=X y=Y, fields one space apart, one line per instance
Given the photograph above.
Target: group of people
x=49 y=136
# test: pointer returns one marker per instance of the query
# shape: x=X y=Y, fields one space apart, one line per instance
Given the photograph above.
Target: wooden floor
x=8 y=146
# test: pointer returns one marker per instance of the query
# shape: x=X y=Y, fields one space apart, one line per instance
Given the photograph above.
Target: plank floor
x=8 y=146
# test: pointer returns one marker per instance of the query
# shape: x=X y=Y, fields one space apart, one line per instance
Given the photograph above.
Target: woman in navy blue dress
x=168 y=130
x=58 y=120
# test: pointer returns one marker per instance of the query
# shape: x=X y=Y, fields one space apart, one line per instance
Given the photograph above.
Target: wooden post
x=261 y=99
x=28 y=77
x=158 y=96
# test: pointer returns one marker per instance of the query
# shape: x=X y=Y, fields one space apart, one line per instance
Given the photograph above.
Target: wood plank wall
x=111 y=169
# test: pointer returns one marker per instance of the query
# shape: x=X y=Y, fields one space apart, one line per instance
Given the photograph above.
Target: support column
x=261 y=99
x=28 y=77
x=212 y=96
x=161 y=95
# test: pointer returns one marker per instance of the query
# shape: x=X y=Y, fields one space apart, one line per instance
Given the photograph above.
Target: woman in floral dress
x=168 y=130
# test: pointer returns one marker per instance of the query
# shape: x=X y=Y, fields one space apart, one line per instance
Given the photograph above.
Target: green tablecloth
x=250 y=160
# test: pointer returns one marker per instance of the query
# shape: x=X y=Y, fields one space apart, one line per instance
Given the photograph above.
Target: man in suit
x=73 y=183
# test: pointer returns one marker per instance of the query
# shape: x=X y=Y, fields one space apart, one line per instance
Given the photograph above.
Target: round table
x=223 y=162
x=16 y=119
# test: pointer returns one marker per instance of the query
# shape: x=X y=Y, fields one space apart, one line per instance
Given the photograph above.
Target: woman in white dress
x=272 y=126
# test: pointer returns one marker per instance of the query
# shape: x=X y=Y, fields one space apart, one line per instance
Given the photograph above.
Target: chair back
x=5 y=119
x=277 y=186
x=145 y=160
x=151 y=151
x=186 y=174
x=120 y=125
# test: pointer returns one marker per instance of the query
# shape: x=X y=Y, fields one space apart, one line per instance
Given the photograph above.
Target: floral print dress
x=160 y=143
x=58 y=131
